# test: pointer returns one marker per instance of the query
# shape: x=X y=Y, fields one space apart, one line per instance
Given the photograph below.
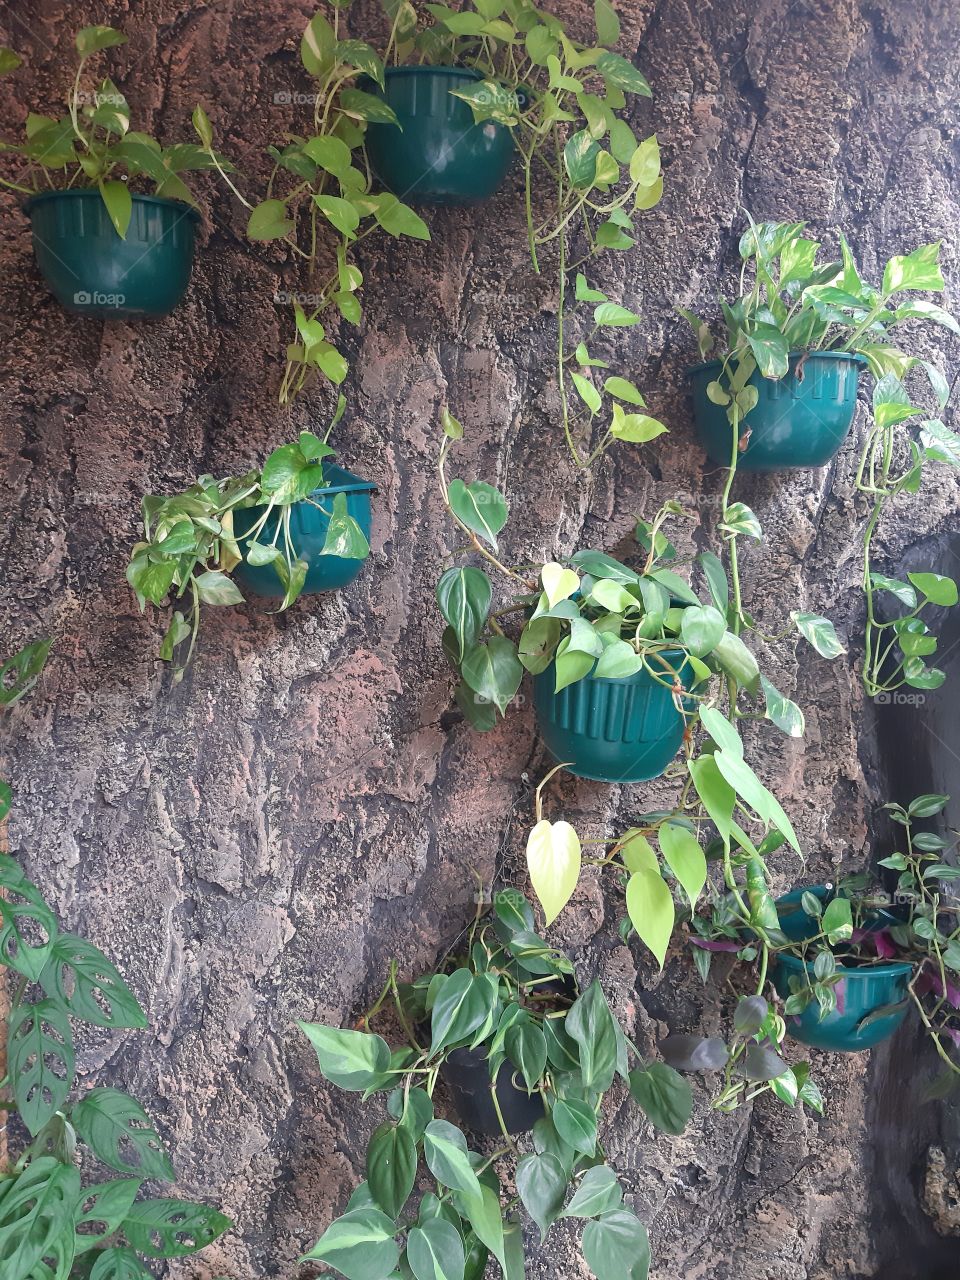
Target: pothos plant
x=900 y=441
x=590 y=614
x=794 y=302
x=853 y=924
x=597 y=616
x=57 y=1221
x=190 y=547
x=93 y=145
x=318 y=198
x=586 y=177
x=562 y=101
x=510 y=1001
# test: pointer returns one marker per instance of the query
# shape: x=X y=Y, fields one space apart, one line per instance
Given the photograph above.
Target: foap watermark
x=287 y=299
x=900 y=698
x=294 y=98
x=83 y=298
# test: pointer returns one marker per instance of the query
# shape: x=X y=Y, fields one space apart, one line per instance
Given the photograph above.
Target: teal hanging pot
x=861 y=993
x=308 y=532
x=624 y=730
x=439 y=155
x=93 y=272
x=799 y=420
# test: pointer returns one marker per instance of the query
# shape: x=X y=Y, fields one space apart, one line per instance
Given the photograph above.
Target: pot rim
x=890 y=969
x=135 y=196
x=854 y=356
x=471 y=73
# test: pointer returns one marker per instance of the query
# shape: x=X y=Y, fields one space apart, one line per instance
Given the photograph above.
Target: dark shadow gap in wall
x=913 y=747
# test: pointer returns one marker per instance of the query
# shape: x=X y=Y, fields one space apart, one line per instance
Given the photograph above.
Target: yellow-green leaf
x=558 y=583
x=553 y=860
x=684 y=858
x=650 y=908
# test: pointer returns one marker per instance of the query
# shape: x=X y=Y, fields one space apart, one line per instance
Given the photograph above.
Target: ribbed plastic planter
x=93 y=272
x=466 y=1074
x=439 y=155
x=800 y=420
x=308 y=532
x=861 y=992
x=625 y=730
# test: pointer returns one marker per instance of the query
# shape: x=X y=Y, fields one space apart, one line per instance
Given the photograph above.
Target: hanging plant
x=521 y=1049
x=782 y=392
x=319 y=199
x=847 y=961
x=588 y=621
x=113 y=218
x=465 y=92
x=297 y=526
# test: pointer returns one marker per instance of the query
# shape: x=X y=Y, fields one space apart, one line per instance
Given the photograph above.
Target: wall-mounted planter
x=625 y=730
x=308 y=532
x=439 y=155
x=860 y=993
x=800 y=420
x=93 y=272
x=467 y=1076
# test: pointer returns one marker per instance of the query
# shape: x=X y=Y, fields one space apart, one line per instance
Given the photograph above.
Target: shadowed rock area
x=251 y=846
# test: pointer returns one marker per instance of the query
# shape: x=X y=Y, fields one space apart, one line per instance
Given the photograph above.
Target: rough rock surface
x=254 y=844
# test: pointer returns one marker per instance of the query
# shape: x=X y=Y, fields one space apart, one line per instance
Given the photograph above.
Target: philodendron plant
x=564 y=103
x=847 y=960
x=509 y=1005
x=94 y=146
x=58 y=1219
x=191 y=546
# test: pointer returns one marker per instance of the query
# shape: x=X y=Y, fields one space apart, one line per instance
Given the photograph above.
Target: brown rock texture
x=254 y=844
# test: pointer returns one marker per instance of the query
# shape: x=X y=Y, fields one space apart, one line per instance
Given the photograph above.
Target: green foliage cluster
x=190 y=546
x=510 y=1003
x=94 y=146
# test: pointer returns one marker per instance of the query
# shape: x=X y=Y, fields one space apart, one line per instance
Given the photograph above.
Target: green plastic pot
x=439 y=155
x=861 y=992
x=93 y=272
x=624 y=730
x=798 y=421
x=308 y=532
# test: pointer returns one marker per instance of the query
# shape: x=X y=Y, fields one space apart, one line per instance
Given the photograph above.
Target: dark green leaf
x=445 y=1150
x=542 y=1183
x=82 y=979
x=119 y=1132
x=616 y=1246
x=576 y=1123
x=592 y=1026
x=360 y=1245
x=480 y=507
x=37 y=1210
x=464 y=596
x=172 y=1228
x=391 y=1167
x=102 y=1210
x=599 y=1192
x=664 y=1095
x=435 y=1251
